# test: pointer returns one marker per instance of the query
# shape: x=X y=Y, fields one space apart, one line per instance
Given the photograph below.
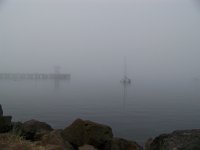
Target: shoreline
x=85 y=135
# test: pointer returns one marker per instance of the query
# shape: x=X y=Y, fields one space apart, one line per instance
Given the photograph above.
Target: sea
x=137 y=111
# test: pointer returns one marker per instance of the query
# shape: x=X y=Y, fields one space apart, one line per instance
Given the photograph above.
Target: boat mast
x=125 y=68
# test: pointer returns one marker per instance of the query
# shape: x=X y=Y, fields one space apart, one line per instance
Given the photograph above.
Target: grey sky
x=160 y=38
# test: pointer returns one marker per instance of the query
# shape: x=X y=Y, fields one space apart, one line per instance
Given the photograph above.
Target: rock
x=12 y=146
x=17 y=128
x=55 y=147
x=82 y=132
x=122 y=144
x=1 y=111
x=23 y=146
x=55 y=138
x=87 y=147
x=148 y=143
x=34 y=130
x=9 y=141
x=178 y=140
x=5 y=124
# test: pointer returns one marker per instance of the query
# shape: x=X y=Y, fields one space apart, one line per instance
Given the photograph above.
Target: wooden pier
x=34 y=76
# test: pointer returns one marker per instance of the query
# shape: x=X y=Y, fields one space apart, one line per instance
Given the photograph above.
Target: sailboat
x=125 y=79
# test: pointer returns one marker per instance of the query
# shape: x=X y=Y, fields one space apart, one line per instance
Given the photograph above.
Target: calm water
x=144 y=110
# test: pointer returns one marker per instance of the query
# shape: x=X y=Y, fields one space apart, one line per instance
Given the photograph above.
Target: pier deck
x=34 y=76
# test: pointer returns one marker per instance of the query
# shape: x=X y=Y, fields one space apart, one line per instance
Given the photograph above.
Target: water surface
x=140 y=111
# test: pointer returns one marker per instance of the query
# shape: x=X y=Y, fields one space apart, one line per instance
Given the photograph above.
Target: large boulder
x=5 y=124
x=177 y=140
x=1 y=111
x=55 y=138
x=82 y=132
x=34 y=130
x=122 y=144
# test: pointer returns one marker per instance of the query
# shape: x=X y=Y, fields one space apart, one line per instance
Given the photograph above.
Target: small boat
x=126 y=80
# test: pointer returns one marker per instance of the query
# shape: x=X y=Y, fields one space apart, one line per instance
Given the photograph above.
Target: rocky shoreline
x=84 y=135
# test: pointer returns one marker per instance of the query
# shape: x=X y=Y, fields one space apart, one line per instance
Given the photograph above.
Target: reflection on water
x=125 y=93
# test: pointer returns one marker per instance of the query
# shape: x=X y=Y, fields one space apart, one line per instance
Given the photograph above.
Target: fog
x=89 y=39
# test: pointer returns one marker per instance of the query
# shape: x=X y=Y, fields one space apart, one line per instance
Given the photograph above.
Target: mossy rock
x=34 y=130
x=82 y=132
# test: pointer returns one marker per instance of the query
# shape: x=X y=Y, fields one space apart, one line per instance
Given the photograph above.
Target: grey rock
x=177 y=140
